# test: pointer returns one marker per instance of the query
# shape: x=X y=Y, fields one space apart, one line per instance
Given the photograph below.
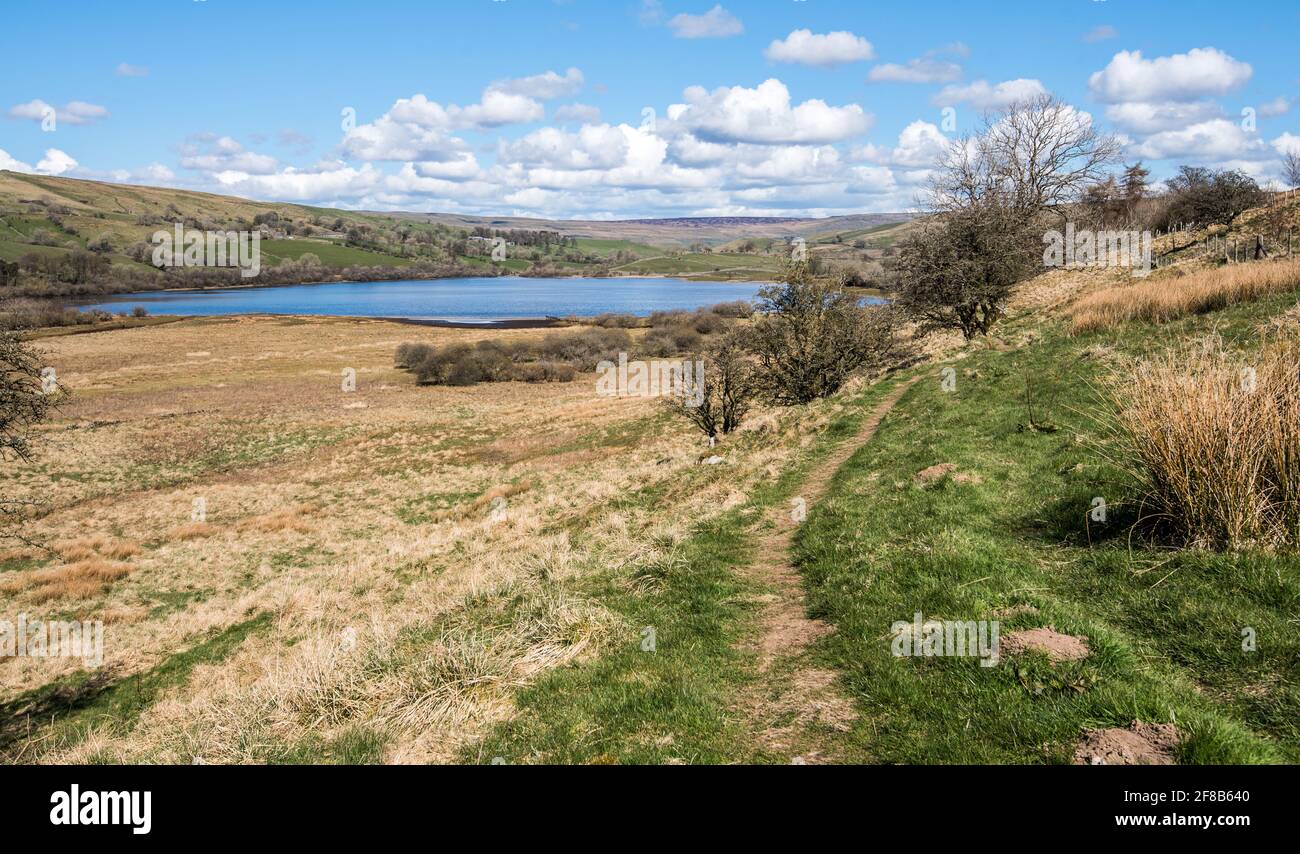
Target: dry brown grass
x=1169 y=297
x=281 y=520
x=1215 y=446
x=20 y=553
x=192 y=531
x=85 y=548
x=247 y=413
x=78 y=580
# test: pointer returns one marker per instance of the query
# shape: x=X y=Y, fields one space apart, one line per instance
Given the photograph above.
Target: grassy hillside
x=54 y=218
x=677 y=233
x=1008 y=532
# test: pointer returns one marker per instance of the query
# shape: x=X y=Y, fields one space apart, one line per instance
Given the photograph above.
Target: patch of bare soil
x=1139 y=744
x=786 y=703
x=810 y=699
x=1058 y=647
x=935 y=473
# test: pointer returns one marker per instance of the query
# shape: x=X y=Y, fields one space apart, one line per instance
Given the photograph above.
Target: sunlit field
x=287 y=569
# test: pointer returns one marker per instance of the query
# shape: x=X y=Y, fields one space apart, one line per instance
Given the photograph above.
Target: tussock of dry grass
x=1215 y=446
x=281 y=520
x=123 y=616
x=1170 y=297
x=85 y=548
x=77 y=580
x=192 y=531
x=21 y=553
x=505 y=491
x=414 y=681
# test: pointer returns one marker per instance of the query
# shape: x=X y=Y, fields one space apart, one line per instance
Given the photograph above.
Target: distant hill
x=46 y=221
x=678 y=231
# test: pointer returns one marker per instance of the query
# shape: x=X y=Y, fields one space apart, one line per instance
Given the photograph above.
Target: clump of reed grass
x=1214 y=441
x=1167 y=298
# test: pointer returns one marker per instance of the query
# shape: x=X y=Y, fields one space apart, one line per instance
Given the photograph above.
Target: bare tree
x=1035 y=154
x=987 y=198
x=1291 y=168
x=24 y=399
x=724 y=391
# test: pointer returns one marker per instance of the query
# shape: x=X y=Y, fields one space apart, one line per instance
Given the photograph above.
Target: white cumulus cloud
x=544 y=86
x=1145 y=118
x=72 y=113
x=1201 y=72
x=1211 y=141
x=925 y=69
x=765 y=115
x=211 y=154
x=56 y=162
x=580 y=113
x=820 y=49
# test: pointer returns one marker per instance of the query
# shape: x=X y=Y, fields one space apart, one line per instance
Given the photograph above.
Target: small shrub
x=618 y=321
x=669 y=341
x=410 y=355
x=667 y=318
x=707 y=322
x=586 y=348
x=38 y=314
x=485 y=361
x=735 y=309
x=813 y=336
x=544 y=372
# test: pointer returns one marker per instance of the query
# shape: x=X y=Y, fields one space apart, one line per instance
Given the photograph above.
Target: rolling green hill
x=46 y=220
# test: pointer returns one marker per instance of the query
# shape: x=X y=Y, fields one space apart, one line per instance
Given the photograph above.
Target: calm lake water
x=463 y=300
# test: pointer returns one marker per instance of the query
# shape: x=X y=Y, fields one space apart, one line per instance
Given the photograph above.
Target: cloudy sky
x=619 y=108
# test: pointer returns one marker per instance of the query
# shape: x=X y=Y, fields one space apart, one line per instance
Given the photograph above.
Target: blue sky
x=620 y=108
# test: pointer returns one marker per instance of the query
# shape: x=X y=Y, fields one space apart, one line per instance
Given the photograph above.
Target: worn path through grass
x=793 y=704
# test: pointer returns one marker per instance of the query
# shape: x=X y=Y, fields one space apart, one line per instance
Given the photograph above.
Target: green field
x=330 y=254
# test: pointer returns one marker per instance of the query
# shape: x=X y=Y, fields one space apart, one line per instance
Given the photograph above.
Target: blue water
x=463 y=300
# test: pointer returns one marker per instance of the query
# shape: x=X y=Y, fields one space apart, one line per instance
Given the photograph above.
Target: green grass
x=847 y=237
x=700 y=262
x=330 y=254
x=676 y=703
x=356 y=745
x=1165 y=627
x=606 y=246
x=12 y=250
x=418 y=511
